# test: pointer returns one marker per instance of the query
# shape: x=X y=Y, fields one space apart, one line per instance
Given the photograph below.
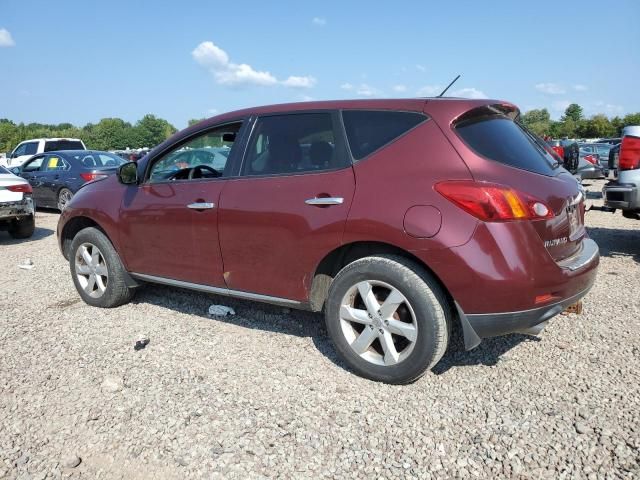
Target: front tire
x=23 y=227
x=97 y=271
x=388 y=318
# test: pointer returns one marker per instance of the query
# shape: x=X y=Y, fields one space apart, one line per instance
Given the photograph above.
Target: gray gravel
x=262 y=394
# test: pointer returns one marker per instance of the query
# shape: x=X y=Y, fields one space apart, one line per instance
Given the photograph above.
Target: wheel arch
x=338 y=258
x=71 y=229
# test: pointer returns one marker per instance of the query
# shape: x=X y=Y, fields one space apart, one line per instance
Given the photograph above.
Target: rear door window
x=294 y=143
x=369 y=130
x=55 y=145
x=55 y=163
x=499 y=138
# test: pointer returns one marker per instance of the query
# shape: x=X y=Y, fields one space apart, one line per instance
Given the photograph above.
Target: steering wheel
x=199 y=169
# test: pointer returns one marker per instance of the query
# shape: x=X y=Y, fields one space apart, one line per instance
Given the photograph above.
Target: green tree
x=112 y=134
x=573 y=112
x=631 y=119
x=538 y=121
x=150 y=131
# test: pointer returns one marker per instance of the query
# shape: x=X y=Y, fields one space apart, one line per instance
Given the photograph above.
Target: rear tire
x=23 y=227
x=64 y=197
x=97 y=271
x=396 y=347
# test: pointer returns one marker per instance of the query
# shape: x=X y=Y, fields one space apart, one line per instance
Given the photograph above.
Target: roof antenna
x=448 y=86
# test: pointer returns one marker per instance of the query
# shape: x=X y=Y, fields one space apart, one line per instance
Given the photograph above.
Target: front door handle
x=201 y=205
x=324 y=201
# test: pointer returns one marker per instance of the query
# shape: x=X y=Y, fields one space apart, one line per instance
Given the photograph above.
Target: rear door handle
x=201 y=205
x=324 y=201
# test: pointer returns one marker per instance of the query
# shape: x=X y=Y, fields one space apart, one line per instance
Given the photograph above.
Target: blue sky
x=80 y=61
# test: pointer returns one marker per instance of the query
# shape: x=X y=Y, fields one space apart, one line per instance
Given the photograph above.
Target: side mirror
x=128 y=173
x=15 y=170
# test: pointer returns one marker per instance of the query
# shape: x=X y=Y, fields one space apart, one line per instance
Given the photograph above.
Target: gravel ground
x=262 y=394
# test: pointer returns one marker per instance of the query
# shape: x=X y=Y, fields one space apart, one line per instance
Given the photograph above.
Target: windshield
x=4 y=170
x=500 y=139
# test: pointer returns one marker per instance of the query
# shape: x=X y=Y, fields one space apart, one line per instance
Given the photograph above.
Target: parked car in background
x=610 y=141
x=17 y=211
x=600 y=149
x=614 y=155
x=29 y=148
x=568 y=150
x=56 y=176
x=396 y=218
x=589 y=167
x=624 y=191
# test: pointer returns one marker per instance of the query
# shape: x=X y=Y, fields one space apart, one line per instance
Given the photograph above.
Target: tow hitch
x=575 y=308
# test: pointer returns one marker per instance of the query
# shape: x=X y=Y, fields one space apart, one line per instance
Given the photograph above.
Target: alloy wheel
x=64 y=198
x=91 y=270
x=378 y=322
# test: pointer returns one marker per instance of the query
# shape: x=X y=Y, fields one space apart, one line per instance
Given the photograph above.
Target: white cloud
x=422 y=68
x=365 y=90
x=346 y=86
x=468 y=93
x=319 y=21
x=550 y=88
x=306 y=98
x=560 y=105
x=399 y=88
x=5 y=38
x=228 y=73
x=299 y=82
x=429 y=90
x=212 y=111
x=580 y=88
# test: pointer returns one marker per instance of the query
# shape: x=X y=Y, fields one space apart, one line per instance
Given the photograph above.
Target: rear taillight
x=23 y=187
x=629 y=158
x=492 y=202
x=590 y=158
x=553 y=151
x=88 y=177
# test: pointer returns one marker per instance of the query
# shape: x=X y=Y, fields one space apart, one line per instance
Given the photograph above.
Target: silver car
x=17 y=211
x=624 y=191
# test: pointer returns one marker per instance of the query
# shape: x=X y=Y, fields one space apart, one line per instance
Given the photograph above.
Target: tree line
x=573 y=124
x=107 y=134
x=149 y=131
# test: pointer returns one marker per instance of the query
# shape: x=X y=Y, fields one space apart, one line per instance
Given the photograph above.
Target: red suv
x=400 y=219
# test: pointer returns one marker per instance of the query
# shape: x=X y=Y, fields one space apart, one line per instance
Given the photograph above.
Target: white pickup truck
x=27 y=149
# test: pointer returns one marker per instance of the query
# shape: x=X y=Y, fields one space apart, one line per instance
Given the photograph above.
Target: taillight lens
x=492 y=202
x=590 y=158
x=23 y=187
x=553 y=151
x=629 y=158
x=88 y=177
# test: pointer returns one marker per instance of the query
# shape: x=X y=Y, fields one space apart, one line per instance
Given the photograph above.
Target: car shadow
x=490 y=352
x=300 y=323
x=616 y=242
x=594 y=195
x=38 y=234
x=249 y=314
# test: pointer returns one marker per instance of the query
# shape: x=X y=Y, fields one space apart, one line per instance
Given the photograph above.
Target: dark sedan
x=56 y=176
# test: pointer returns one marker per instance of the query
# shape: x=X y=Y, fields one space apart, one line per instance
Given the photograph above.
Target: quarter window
x=204 y=156
x=294 y=143
x=368 y=130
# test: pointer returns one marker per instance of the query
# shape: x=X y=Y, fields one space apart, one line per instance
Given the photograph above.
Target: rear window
x=501 y=139
x=55 y=145
x=369 y=130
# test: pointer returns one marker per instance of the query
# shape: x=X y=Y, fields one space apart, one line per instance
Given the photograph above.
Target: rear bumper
x=624 y=196
x=591 y=173
x=24 y=207
x=485 y=325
